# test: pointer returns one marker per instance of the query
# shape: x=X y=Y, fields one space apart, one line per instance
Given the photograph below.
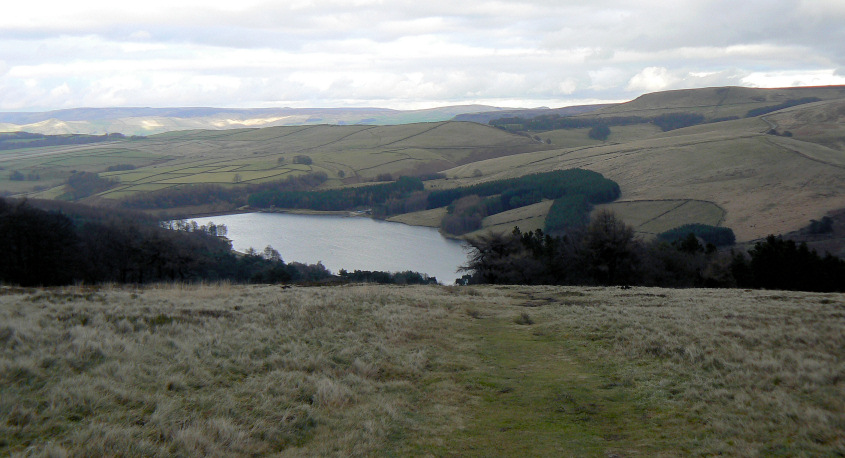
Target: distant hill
x=150 y=121
x=486 y=116
x=717 y=102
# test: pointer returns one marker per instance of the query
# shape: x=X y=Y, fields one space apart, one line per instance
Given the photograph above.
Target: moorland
x=224 y=369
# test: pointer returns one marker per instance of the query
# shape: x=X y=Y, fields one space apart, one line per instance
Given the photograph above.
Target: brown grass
x=228 y=370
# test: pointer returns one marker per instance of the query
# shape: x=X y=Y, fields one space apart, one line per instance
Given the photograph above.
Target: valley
x=758 y=175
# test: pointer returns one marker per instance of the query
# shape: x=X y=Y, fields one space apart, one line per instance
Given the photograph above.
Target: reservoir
x=343 y=242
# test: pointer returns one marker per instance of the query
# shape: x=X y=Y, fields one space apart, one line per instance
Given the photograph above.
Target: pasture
x=373 y=370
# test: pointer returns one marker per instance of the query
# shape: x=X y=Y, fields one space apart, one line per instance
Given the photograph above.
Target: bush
x=120 y=167
x=600 y=132
x=302 y=159
x=84 y=184
x=718 y=236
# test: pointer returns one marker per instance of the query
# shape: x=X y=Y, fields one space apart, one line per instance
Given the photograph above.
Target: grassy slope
x=766 y=184
x=252 y=155
x=478 y=371
x=716 y=102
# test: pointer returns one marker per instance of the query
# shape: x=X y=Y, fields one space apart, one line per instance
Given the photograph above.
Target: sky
x=405 y=54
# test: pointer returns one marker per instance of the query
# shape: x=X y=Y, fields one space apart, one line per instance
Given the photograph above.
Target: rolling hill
x=745 y=173
x=775 y=161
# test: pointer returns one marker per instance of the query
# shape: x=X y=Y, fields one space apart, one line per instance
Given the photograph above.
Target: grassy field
x=227 y=370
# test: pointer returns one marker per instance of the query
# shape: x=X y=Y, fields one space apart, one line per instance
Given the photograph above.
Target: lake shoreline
x=299 y=211
x=345 y=240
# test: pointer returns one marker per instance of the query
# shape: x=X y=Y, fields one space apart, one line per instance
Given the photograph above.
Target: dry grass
x=227 y=370
x=651 y=217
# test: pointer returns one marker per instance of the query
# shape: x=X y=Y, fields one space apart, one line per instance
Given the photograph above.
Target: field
x=651 y=217
x=227 y=370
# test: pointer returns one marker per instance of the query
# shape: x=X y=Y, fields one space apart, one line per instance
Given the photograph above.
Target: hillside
x=347 y=154
x=484 y=117
x=151 y=121
x=387 y=371
x=731 y=173
x=717 y=102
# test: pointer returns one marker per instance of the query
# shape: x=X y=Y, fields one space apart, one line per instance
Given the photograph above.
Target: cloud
x=652 y=79
x=368 y=52
x=794 y=78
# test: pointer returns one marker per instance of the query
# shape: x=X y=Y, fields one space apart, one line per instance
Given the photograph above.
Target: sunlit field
x=230 y=370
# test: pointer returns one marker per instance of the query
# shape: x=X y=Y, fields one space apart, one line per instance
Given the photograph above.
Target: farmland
x=377 y=370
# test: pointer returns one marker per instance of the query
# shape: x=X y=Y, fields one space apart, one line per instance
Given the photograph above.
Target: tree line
x=337 y=199
x=64 y=243
x=771 y=108
x=48 y=243
x=666 y=122
x=574 y=191
x=17 y=140
x=203 y=194
x=605 y=252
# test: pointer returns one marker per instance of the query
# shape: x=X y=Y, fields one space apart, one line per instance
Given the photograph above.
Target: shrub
x=600 y=132
x=302 y=159
x=718 y=236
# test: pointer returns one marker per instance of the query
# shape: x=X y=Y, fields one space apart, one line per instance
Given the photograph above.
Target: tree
x=609 y=249
x=302 y=159
x=271 y=254
x=599 y=132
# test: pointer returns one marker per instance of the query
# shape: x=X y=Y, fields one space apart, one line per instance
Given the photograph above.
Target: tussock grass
x=231 y=370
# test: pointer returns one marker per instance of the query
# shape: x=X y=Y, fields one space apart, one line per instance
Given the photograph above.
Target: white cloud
x=794 y=78
x=652 y=79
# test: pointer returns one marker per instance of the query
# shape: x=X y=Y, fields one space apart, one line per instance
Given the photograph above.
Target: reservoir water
x=351 y=243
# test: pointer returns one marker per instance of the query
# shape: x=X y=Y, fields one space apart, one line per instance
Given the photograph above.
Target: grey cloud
x=369 y=51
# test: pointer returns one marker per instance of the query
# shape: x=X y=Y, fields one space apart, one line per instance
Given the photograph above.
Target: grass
x=651 y=217
x=455 y=371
